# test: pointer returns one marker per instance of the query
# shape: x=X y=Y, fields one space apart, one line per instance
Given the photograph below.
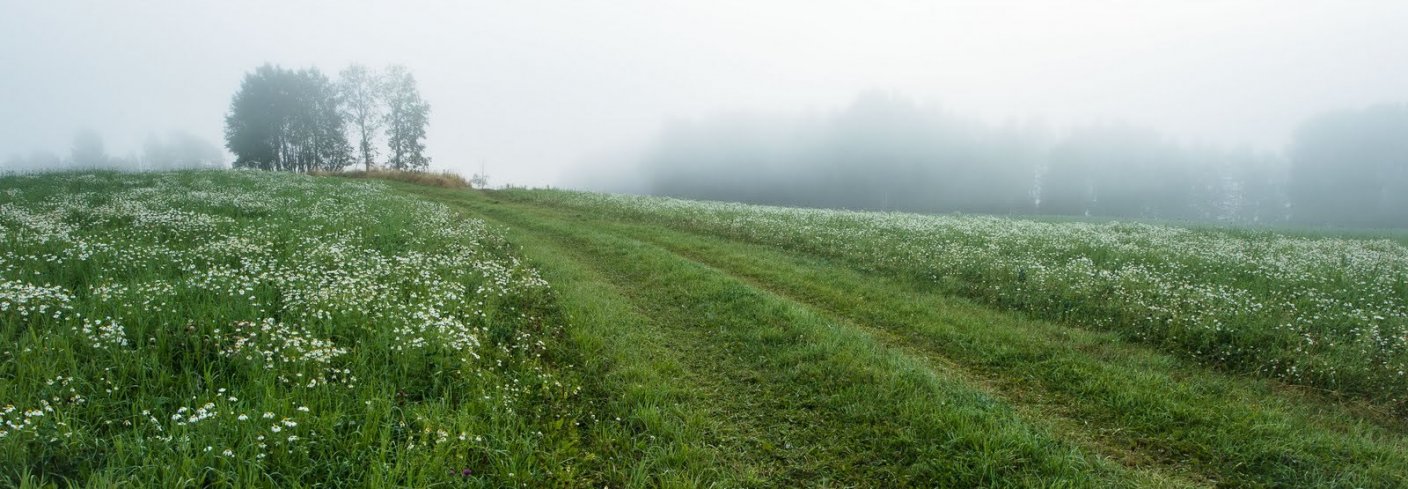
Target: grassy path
x=754 y=367
x=1125 y=402
x=792 y=399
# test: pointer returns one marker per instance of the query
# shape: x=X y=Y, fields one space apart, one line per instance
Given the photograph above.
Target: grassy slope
x=662 y=357
x=789 y=398
x=783 y=368
x=184 y=268
x=1324 y=313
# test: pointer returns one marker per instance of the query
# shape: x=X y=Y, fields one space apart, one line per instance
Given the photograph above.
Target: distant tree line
x=886 y=153
x=301 y=120
x=1351 y=167
x=176 y=150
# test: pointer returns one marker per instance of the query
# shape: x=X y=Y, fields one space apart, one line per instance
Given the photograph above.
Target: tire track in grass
x=666 y=434
x=1118 y=395
x=664 y=439
x=1143 y=408
x=1092 y=387
x=806 y=402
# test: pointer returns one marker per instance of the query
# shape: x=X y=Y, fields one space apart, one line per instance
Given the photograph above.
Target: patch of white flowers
x=190 y=235
x=27 y=300
x=280 y=278
x=284 y=348
x=221 y=423
x=103 y=334
x=41 y=419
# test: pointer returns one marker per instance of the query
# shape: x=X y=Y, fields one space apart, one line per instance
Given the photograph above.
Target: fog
x=610 y=95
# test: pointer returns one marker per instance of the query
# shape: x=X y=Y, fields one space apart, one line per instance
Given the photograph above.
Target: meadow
x=957 y=351
x=247 y=329
x=242 y=328
x=1324 y=312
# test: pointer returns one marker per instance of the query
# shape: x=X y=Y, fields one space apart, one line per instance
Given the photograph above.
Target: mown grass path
x=750 y=366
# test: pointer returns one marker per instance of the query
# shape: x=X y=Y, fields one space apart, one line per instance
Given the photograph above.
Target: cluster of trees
x=300 y=120
x=176 y=150
x=1123 y=171
x=886 y=153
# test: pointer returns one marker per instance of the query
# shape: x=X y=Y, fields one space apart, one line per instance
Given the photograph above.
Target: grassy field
x=224 y=328
x=1325 y=312
x=249 y=329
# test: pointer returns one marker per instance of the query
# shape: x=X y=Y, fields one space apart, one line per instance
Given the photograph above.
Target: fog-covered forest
x=1081 y=244
x=1241 y=112
x=174 y=150
x=885 y=152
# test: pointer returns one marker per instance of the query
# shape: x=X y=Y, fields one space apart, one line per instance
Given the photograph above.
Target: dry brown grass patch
x=443 y=179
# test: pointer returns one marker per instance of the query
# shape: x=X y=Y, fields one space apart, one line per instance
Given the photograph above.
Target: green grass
x=577 y=340
x=1160 y=418
x=233 y=329
x=1245 y=229
x=793 y=399
x=1329 y=313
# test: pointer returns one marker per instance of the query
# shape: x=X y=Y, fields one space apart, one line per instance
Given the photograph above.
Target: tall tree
x=254 y=126
x=362 y=107
x=286 y=120
x=406 y=117
x=320 y=131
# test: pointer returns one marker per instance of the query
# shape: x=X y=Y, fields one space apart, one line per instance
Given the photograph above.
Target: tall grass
x=242 y=328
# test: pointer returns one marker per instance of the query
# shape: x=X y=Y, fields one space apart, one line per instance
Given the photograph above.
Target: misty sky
x=532 y=88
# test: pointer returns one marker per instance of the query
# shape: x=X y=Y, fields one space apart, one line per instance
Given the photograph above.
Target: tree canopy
x=362 y=106
x=406 y=117
x=299 y=120
x=283 y=119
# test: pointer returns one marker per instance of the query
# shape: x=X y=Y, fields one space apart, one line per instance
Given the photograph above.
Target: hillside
x=879 y=349
x=280 y=330
x=214 y=329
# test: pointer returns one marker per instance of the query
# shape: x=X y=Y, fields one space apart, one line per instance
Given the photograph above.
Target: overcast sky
x=530 y=88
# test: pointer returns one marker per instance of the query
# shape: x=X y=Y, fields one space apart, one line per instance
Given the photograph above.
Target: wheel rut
x=1161 y=421
x=788 y=406
x=1159 y=466
x=1064 y=399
